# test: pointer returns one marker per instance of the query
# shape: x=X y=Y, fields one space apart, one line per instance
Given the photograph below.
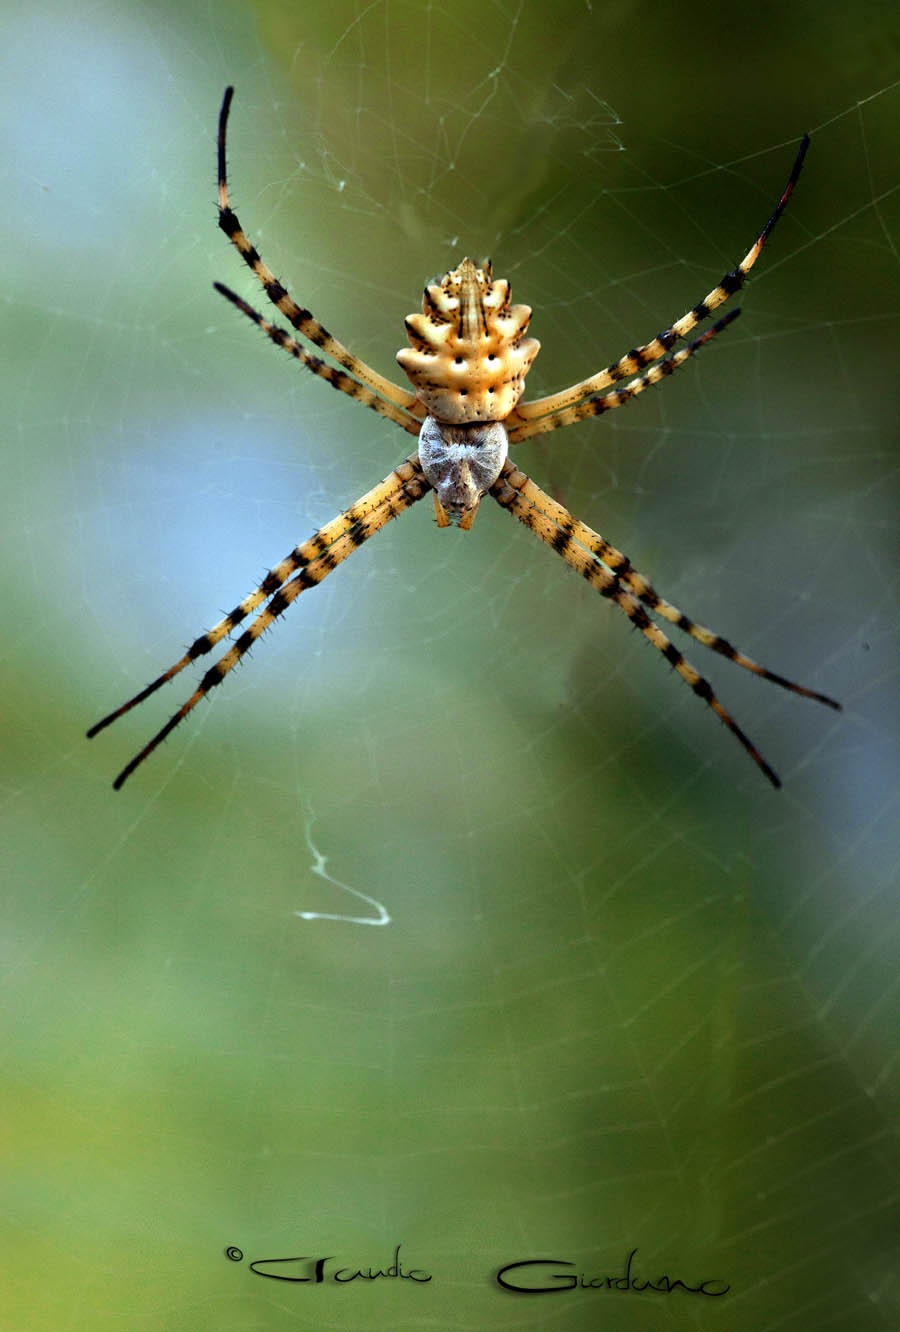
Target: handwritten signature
x=527 y=1276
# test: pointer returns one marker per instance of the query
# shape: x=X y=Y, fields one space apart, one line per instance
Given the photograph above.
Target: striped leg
x=641 y=356
x=309 y=563
x=609 y=586
x=338 y=379
x=639 y=585
x=618 y=397
x=309 y=576
x=303 y=321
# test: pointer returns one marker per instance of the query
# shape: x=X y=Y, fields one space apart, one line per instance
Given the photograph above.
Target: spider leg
x=303 y=320
x=638 y=357
x=309 y=576
x=621 y=566
x=596 y=406
x=353 y=519
x=338 y=379
x=561 y=540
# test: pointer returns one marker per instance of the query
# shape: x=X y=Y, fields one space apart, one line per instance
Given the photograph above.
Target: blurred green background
x=629 y=996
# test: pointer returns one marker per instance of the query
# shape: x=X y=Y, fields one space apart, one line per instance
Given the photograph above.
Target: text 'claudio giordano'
x=525 y=1276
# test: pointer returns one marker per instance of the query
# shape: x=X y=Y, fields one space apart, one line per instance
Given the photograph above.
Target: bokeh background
x=629 y=997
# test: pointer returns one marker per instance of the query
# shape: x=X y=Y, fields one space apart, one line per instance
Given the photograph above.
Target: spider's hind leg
x=583 y=550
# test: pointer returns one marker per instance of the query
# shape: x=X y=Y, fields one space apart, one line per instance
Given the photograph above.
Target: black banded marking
x=231 y=226
x=608 y=585
x=200 y=646
x=616 y=580
x=561 y=541
x=338 y=379
x=299 y=557
x=272 y=582
x=643 y=589
x=303 y=320
x=279 y=603
x=651 y=351
x=606 y=402
x=399 y=498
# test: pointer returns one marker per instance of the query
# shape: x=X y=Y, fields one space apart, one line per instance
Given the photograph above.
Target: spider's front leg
x=461 y=462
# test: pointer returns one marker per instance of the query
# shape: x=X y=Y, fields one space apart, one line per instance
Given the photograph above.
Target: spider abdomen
x=468 y=356
x=461 y=463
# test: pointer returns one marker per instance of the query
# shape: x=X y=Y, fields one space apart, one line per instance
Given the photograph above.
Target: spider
x=467 y=362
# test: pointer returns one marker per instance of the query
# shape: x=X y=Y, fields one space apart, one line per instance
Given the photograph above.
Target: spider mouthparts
x=465 y=518
x=453 y=515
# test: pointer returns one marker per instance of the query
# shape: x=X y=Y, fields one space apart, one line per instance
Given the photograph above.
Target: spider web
x=628 y=998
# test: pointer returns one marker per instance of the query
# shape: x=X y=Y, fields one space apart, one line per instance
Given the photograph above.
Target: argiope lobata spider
x=467 y=361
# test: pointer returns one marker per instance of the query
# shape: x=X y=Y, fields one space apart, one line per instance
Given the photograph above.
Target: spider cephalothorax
x=467 y=361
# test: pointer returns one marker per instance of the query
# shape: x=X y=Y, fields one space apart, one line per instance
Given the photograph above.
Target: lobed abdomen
x=468 y=354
